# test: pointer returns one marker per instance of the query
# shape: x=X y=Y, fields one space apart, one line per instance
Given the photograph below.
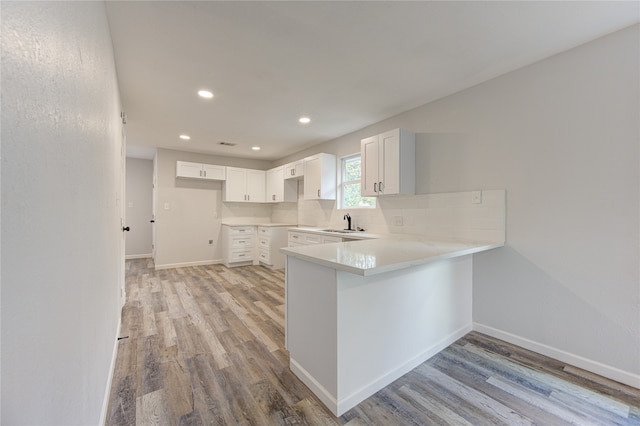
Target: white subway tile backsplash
x=445 y=215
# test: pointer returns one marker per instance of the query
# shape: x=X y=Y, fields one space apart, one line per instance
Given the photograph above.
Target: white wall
x=139 y=187
x=562 y=137
x=195 y=210
x=61 y=192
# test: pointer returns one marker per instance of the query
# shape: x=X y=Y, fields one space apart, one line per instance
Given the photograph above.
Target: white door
x=121 y=263
x=154 y=198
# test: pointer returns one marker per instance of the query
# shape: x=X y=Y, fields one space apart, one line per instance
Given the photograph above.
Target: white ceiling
x=345 y=64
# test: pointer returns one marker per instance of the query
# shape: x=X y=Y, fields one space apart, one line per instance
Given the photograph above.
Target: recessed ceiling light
x=255 y=148
x=304 y=120
x=205 y=94
x=185 y=137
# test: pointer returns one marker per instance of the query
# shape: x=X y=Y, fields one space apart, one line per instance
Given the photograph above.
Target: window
x=350 y=173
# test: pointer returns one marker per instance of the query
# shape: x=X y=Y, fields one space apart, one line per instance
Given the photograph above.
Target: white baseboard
x=112 y=368
x=138 y=256
x=186 y=264
x=339 y=407
x=604 y=370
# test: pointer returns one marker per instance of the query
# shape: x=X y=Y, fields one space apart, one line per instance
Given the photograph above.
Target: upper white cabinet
x=244 y=185
x=388 y=163
x=320 y=177
x=278 y=189
x=294 y=170
x=199 y=171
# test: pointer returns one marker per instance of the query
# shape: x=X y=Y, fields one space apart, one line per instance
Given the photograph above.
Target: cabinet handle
x=318 y=193
x=375 y=187
x=248 y=197
x=273 y=197
x=205 y=173
x=200 y=173
x=379 y=186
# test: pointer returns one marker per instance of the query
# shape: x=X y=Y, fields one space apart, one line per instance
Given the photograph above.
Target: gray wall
x=561 y=136
x=62 y=189
x=139 y=208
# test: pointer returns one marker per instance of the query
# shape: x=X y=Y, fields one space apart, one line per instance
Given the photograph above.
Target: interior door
x=154 y=197
x=123 y=173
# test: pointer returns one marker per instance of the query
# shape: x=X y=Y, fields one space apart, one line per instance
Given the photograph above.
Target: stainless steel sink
x=338 y=231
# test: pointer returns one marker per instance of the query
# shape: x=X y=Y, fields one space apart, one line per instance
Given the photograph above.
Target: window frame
x=342 y=161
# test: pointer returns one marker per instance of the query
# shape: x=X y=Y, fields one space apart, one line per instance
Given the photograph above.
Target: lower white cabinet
x=301 y=238
x=238 y=245
x=270 y=240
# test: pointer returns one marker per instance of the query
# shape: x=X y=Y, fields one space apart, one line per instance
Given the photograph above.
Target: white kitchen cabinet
x=187 y=169
x=388 y=163
x=294 y=170
x=301 y=238
x=320 y=177
x=278 y=189
x=270 y=240
x=244 y=185
x=238 y=245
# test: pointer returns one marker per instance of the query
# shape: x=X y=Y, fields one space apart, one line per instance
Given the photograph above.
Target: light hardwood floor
x=205 y=346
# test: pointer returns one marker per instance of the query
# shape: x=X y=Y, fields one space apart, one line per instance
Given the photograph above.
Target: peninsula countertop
x=386 y=253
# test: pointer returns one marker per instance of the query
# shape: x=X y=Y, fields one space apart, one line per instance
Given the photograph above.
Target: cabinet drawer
x=265 y=257
x=296 y=237
x=295 y=244
x=264 y=231
x=263 y=243
x=241 y=230
x=313 y=239
x=240 y=256
x=241 y=242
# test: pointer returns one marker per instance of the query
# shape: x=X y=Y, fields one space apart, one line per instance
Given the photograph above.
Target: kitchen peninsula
x=361 y=314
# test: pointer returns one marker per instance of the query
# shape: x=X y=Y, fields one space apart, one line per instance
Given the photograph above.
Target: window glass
x=350 y=184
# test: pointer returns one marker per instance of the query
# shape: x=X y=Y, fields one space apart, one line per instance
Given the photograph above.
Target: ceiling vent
x=226 y=144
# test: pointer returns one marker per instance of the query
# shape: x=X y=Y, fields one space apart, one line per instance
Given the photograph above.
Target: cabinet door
x=275 y=185
x=190 y=170
x=312 y=177
x=235 y=185
x=320 y=177
x=256 y=186
x=212 y=172
x=389 y=163
x=369 y=155
x=294 y=170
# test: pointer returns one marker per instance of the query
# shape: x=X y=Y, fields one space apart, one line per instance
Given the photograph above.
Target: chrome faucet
x=347 y=217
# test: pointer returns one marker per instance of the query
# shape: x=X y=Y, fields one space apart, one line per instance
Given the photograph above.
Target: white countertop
x=389 y=253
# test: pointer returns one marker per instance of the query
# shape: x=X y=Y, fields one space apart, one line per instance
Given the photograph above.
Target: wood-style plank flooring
x=205 y=346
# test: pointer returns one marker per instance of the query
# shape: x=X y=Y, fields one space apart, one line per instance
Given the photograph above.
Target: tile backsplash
x=444 y=215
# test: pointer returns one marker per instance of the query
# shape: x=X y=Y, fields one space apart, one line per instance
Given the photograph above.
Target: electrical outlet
x=397 y=220
x=476 y=197
x=210 y=242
